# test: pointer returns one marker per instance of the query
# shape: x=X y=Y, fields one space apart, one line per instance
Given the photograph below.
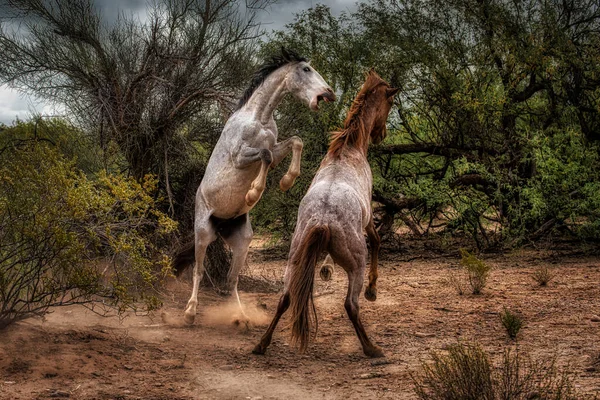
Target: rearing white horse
x=236 y=173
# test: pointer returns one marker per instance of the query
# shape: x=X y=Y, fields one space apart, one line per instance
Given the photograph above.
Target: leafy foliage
x=66 y=238
x=494 y=135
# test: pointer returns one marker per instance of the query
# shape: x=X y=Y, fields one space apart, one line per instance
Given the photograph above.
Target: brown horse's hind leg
x=353 y=263
x=374 y=240
x=265 y=341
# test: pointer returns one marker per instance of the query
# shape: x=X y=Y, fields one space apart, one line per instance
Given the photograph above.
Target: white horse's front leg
x=280 y=151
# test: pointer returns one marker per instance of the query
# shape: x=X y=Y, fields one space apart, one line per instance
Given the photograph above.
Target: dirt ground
x=77 y=354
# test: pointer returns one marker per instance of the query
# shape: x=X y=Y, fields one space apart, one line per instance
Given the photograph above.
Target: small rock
x=370 y=375
x=595 y=318
x=380 y=361
x=423 y=335
x=227 y=367
x=128 y=367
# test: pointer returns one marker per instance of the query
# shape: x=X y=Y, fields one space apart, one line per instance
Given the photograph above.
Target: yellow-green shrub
x=66 y=238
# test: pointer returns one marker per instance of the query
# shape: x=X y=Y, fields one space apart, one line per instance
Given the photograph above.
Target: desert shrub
x=520 y=377
x=66 y=239
x=476 y=270
x=466 y=372
x=542 y=275
x=512 y=322
x=458 y=283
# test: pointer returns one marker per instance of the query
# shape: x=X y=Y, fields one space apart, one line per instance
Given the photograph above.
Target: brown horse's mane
x=354 y=132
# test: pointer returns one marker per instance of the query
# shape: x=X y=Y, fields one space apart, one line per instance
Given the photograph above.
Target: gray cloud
x=13 y=105
x=284 y=11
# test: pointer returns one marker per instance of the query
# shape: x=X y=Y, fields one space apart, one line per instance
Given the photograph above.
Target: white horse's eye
x=306 y=69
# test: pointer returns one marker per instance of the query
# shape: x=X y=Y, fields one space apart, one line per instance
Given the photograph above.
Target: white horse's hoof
x=252 y=197
x=189 y=319
x=243 y=323
x=287 y=182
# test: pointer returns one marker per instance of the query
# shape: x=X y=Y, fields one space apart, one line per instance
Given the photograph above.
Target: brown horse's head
x=379 y=97
x=367 y=116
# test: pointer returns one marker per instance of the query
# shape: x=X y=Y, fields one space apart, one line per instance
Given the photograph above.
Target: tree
x=485 y=84
x=154 y=93
x=495 y=124
x=138 y=83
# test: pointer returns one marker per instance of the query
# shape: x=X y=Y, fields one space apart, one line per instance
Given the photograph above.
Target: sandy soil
x=76 y=354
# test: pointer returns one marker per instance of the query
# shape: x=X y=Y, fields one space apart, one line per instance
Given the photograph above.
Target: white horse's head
x=297 y=77
x=305 y=83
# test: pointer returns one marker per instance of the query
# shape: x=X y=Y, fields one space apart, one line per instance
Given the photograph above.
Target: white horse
x=236 y=173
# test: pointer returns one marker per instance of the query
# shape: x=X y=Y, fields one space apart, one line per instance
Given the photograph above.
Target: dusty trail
x=79 y=355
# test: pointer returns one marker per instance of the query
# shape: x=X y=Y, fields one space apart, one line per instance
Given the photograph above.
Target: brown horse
x=332 y=217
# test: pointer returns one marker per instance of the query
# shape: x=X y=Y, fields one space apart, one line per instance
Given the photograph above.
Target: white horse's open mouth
x=327 y=97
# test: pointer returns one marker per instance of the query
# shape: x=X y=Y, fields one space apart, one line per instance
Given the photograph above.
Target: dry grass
x=465 y=372
x=542 y=275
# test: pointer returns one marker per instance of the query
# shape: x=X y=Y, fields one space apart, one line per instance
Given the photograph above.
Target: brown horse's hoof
x=259 y=349
x=371 y=293
x=374 y=352
x=326 y=272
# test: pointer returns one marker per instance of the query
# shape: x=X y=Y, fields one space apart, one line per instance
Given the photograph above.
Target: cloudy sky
x=14 y=104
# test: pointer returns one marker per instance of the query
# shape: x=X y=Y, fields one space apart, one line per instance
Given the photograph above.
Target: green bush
x=477 y=271
x=65 y=238
x=511 y=322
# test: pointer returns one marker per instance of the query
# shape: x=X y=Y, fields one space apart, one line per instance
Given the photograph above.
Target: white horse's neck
x=268 y=95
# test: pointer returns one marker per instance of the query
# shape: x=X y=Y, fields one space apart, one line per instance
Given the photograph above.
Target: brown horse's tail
x=301 y=284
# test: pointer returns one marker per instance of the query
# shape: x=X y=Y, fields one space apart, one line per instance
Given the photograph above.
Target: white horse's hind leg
x=238 y=236
x=260 y=182
x=204 y=235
